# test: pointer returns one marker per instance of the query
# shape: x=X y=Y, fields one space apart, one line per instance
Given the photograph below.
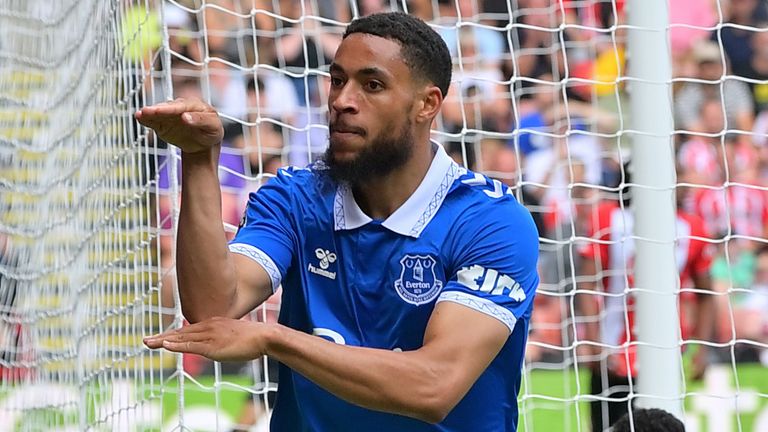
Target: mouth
x=342 y=128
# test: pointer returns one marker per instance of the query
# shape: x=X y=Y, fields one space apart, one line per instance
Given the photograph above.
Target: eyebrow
x=371 y=70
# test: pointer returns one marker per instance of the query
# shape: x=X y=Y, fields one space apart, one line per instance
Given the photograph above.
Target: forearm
x=205 y=271
x=402 y=383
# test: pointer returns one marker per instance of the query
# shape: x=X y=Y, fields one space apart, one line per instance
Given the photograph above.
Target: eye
x=336 y=81
x=374 y=85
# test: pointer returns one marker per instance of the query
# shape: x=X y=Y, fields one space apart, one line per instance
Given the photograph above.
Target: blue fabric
x=373 y=287
x=528 y=140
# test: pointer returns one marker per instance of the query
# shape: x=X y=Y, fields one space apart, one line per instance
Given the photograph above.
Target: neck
x=380 y=197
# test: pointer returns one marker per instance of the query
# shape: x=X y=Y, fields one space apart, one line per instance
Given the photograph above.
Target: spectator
x=736 y=95
x=740 y=208
x=737 y=41
x=759 y=62
x=608 y=265
x=491 y=106
x=691 y=19
x=227 y=84
x=181 y=28
x=734 y=270
x=700 y=156
x=570 y=158
x=369 y=7
x=262 y=142
x=534 y=44
x=319 y=38
x=546 y=104
x=489 y=43
x=750 y=310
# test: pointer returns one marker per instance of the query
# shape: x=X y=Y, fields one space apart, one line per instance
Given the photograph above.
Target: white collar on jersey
x=412 y=217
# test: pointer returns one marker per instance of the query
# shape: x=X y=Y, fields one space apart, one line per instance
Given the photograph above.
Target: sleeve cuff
x=261 y=258
x=481 y=305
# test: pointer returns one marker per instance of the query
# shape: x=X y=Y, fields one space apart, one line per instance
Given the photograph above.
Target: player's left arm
x=426 y=383
x=459 y=344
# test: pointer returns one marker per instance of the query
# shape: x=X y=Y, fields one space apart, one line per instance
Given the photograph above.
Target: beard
x=381 y=157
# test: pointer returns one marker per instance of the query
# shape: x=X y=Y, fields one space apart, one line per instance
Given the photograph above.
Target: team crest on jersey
x=418 y=283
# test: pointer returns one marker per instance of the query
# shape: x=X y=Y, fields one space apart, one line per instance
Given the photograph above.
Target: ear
x=428 y=104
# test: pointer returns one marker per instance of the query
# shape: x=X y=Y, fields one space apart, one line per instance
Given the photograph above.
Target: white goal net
x=541 y=99
x=79 y=261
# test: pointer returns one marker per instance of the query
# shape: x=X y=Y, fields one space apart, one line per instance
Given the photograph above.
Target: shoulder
x=294 y=174
x=475 y=189
x=293 y=188
x=292 y=177
x=487 y=206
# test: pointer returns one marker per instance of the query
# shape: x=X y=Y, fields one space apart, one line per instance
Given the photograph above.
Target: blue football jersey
x=460 y=237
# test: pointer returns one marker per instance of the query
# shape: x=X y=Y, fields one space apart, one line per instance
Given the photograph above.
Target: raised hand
x=190 y=124
x=220 y=339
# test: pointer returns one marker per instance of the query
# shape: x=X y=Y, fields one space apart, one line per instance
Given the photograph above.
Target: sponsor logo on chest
x=326 y=258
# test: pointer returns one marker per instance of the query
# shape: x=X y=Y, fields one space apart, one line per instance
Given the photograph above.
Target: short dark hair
x=423 y=50
x=649 y=420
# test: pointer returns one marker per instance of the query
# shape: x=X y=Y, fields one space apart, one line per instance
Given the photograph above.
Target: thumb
x=206 y=122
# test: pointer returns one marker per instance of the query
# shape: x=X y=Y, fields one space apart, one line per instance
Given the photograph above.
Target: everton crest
x=418 y=284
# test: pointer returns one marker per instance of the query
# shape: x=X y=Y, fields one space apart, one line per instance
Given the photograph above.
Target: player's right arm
x=212 y=281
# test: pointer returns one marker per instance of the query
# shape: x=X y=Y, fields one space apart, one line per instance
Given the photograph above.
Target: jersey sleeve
x=266 y=234
x=495 y=267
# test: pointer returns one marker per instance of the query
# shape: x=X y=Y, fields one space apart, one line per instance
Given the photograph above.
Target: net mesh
x=539 y=100
x=79 y=276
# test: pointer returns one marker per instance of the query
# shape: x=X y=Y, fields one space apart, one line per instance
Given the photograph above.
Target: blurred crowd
x=538 y=102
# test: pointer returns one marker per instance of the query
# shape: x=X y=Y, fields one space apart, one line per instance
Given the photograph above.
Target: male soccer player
x=609 y=264
x=407 y=280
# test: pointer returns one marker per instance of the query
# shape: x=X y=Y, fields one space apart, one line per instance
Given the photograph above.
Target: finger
x=190 y=332
x=186 y=347
x=176 y=107
x=153 y=342
x=194 y=337
x=156 y=341
x=169 y=109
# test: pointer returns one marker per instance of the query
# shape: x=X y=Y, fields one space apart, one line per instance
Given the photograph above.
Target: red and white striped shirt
x=742 y=208
x=615 y=257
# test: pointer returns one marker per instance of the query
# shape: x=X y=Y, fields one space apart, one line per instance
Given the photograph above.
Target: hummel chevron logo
x=326 y=258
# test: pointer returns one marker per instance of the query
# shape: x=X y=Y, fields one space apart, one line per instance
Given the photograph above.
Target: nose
x=344 y=99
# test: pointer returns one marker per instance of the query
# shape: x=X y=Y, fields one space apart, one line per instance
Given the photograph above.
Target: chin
x=345 y=149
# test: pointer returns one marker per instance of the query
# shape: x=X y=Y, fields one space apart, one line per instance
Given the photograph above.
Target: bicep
x=254 y=285
x=462 y=342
